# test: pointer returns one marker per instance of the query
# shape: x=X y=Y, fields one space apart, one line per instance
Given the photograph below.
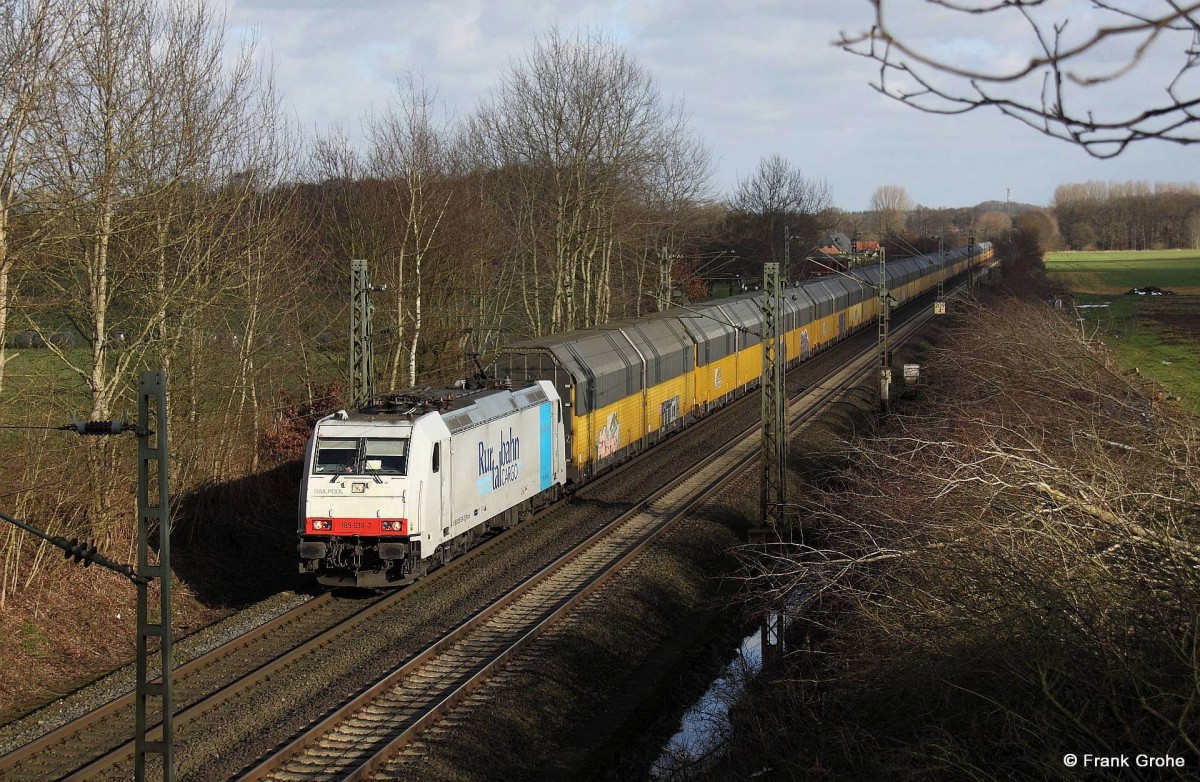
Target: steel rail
x=471 y=672
x=55 y=741
x=40 y=752
x=43 y=757
x=10 y=764
x=314 y=644
x=364 y=751
x=805 y=406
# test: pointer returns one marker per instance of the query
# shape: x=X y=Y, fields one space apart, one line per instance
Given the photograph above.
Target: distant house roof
x=838 y=241
x=865 y=247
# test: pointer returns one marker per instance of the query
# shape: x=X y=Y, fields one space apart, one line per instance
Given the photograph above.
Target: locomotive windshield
x=345 y=456
x=386 y=457
x=335 y=456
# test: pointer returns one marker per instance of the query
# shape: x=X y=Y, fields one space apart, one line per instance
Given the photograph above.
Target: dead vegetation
x=1006 y=574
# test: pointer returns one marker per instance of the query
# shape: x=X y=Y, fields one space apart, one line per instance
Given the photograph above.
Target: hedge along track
x=358 y=738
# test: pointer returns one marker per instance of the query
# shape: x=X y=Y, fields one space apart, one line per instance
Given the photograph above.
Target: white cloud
x=758 y=78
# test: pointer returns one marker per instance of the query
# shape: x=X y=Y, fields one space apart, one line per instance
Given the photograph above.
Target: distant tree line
x=1087 y=216
x=905 y=228
x=1128 y=215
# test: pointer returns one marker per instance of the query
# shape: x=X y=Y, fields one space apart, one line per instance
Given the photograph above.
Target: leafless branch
x=1048 y=90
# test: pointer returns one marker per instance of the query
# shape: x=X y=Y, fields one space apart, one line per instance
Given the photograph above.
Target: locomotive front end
x=360 y=512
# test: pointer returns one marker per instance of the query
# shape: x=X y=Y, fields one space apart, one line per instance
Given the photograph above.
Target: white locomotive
x=389 y=490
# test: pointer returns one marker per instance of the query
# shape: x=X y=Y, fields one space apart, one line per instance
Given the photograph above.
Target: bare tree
x=677 y=185
x=891 y=205
x=1042 y=223
x=992 y=224
x=146 y=122
x=574 y=130
x=33 y=42
x=1059 y=87
x=1025 y=538
x=140 y=147
x=776 y=195
x=409 y=151
x=1125 y=215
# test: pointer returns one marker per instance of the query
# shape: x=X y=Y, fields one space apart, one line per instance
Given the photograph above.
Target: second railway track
x=357 y=739
x=98 y=745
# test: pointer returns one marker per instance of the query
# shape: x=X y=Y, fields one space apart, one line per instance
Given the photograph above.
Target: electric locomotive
x=394 y=488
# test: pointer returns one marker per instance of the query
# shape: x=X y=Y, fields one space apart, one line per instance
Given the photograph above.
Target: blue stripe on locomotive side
x=545 y=429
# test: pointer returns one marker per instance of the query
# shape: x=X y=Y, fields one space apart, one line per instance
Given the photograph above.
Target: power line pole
x=774 y=443
x=774 y=404
x=885 y=318
x=665 y=290
x=787 y=253
x=941 y=268
x=362 y=371
x=939 y=306
x=154 y=512
x=971 y=262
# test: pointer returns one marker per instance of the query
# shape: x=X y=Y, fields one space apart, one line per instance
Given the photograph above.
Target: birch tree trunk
x=409 y=150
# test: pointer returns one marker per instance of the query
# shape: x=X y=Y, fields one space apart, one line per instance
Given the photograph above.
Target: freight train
x=416 y=478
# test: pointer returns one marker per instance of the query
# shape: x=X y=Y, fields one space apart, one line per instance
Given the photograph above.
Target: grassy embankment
x=61 y=625
x=1156 y=334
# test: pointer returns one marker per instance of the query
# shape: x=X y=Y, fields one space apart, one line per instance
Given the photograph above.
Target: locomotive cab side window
x=437 y=456
x=386 y=457
x=335 y=456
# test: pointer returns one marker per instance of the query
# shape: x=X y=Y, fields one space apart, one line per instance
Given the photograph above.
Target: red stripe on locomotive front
x=348 y=526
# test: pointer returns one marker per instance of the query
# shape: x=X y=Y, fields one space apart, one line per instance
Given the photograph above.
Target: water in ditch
x=706 y=723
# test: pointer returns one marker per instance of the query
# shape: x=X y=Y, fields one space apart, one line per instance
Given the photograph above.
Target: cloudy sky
x=757 y=77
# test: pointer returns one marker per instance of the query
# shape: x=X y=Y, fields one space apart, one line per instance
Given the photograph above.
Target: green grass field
x=1160 y=335
x=1117 y=272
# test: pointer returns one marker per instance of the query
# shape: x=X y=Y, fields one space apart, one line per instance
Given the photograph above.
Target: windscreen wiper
x=343 y=470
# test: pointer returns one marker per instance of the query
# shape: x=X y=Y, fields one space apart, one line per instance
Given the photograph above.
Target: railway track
x=58 y=753
x=98 y=743
x=358 y=738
